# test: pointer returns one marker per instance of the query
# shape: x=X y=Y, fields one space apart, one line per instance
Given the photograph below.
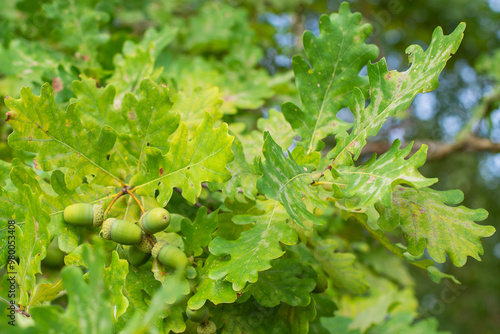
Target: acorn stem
x=137 y=201
x=118 y=195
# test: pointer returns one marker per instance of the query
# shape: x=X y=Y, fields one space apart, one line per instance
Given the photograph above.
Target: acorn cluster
x=138 y=236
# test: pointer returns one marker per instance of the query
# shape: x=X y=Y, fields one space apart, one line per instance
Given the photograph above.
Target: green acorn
x=169 y=255
x=207 y=327
x=136 y=257
x=200 y=315
x=321 y=284
x=121 y=231
x=54 y=257
x=84 y=214
x=155 y=220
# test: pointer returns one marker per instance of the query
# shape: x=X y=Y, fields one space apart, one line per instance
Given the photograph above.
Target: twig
x=440 y=150
x=17 y=308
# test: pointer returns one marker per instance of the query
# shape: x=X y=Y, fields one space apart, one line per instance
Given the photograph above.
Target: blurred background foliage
x=243 y=48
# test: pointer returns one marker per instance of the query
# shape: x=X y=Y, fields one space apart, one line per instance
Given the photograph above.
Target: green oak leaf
x=192 y=105
x=287 y=182
x=4 y=172
x=160 y=306
x=374 y=180
x=219 y=23
x=60 y=139
x=78 y=26
x=244 y=175
x=140 y=285
x=400 y=251
x=326 y=80
x=137 y=60
x=340 y=267
x=85 y=297
x=174 y=321
x=198 y=234
x=276 y=124
x=94 y=105
x=114 y=279
x=255 y=248
x=427 y=220
x=217 y=291
x=31 y=244
x=13 y=205
x=241 y=87
x=41 y=60
x=288 y=281
x=46 y=292
x=150 y=121
x=250 y=317
x=393 y=91
x=229 y=230
x=189 y=162
x=295 y=319
x=51 y=319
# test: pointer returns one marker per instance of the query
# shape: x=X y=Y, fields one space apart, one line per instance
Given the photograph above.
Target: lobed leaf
x=393 y=91
x=427 y=220
x=198 y=234
x=189 y=162
x=31 y=244
x=287 y=182
x=60 y=139
x=340 y=267
x=244 y=175
x=288 y=281
x=374 y=180
x=326 y=81
x=150 y=121
x=255 y=248
x=217 y=291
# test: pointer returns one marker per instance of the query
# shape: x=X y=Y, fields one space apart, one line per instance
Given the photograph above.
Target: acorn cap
x=157 y=248
x=207 y=327
x=145 y=246
x=98 y=215
x=106 y=228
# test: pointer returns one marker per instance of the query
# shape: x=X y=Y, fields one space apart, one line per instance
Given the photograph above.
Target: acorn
x=155 y=220
x=54 y=257
x=207 y=327
x=136 y=257
x=169 y=255
x=199 y=315
x=121 y=231
x=321 y=284
x=84 y=214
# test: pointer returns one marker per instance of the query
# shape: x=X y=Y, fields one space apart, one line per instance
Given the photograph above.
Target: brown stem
x=17 y=308
x=439 y=150
x=117 y=196
x=138 y=202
